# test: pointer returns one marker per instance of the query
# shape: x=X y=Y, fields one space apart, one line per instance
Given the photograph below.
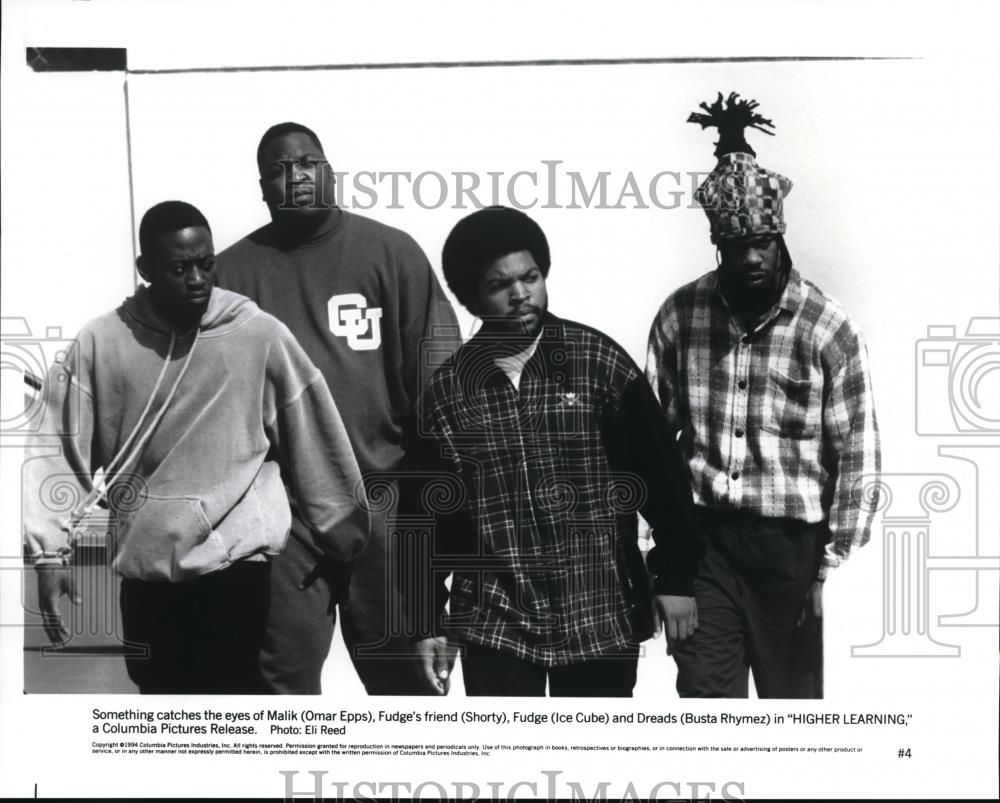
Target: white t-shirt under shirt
x=513 y=365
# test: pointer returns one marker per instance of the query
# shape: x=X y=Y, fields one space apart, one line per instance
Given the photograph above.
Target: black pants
x=491 y=673
x=306 y=592
x=750 y=590
x=203 y=635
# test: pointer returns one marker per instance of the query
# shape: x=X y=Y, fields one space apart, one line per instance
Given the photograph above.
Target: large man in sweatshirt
x=362 y=300
x=199 y=402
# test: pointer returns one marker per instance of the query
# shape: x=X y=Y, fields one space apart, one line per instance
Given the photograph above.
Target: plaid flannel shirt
x=778 y=421
x=541 y=539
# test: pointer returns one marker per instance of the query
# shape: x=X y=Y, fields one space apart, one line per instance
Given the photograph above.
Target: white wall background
x=894 y=212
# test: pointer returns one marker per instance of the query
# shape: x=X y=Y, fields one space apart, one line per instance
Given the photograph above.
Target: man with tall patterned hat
x=766 y=380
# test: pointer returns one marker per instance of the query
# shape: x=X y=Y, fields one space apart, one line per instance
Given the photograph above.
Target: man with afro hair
x=550 y=442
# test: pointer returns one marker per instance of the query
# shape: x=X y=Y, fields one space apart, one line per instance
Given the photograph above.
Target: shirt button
x=739 y=433
x=742 y=384
x=736 y=475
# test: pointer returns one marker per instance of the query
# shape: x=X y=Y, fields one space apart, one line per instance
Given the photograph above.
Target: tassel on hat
x=740 y=198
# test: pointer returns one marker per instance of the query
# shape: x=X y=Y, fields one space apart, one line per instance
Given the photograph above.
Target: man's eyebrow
x=312 y=157
x=192 y=258
x=508 y=278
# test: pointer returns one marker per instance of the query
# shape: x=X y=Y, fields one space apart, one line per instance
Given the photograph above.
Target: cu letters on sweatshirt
x=352 y=318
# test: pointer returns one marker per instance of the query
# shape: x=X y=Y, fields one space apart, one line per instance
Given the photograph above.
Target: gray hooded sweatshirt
x=193 y=433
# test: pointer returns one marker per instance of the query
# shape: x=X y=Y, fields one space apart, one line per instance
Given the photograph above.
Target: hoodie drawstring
x=112 y=471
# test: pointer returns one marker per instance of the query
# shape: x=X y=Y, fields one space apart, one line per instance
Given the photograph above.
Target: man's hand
x=679 y=614
x=435 y=660
x=813 y=604
x=53 y=582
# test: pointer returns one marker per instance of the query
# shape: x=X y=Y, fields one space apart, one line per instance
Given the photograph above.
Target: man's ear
x=142 y=266
x=260 y=183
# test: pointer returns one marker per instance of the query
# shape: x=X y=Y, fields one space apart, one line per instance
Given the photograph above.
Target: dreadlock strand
x=731 y=117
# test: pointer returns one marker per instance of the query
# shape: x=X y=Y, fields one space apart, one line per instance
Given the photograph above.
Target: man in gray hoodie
x=191 y=403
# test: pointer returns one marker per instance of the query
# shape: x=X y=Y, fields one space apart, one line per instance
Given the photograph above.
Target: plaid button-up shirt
x=541 y=541
x=777 y=421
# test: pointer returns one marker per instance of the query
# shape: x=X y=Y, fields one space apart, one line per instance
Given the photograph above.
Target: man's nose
x=751 y=257
x=303 y=172
x=518 y=293
x=196 y=278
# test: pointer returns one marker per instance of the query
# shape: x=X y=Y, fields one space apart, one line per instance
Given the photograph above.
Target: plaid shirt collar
x=792 y=298
x=475 y=360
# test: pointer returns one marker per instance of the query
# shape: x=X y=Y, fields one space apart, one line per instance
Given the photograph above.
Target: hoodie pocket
x=169 y=538
x=260 y=520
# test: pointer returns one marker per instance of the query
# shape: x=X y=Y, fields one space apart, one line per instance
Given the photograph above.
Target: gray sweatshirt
x=201 y=426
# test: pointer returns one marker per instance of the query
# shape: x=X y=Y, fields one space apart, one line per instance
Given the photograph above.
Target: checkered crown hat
x=740 y=198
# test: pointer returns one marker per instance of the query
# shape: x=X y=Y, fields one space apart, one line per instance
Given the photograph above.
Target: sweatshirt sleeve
x=428 y=326
x=304 y=427
x=430 y=462
x=640 y=442
x=59 y=459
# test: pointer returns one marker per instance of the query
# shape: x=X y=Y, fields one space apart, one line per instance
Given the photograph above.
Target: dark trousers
x=306 y=590
x=203 y=636
x=751 y=590
x=491 y=673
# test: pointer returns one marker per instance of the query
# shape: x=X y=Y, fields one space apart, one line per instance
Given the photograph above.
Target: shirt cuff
x=675 y=583
x=45 y=560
